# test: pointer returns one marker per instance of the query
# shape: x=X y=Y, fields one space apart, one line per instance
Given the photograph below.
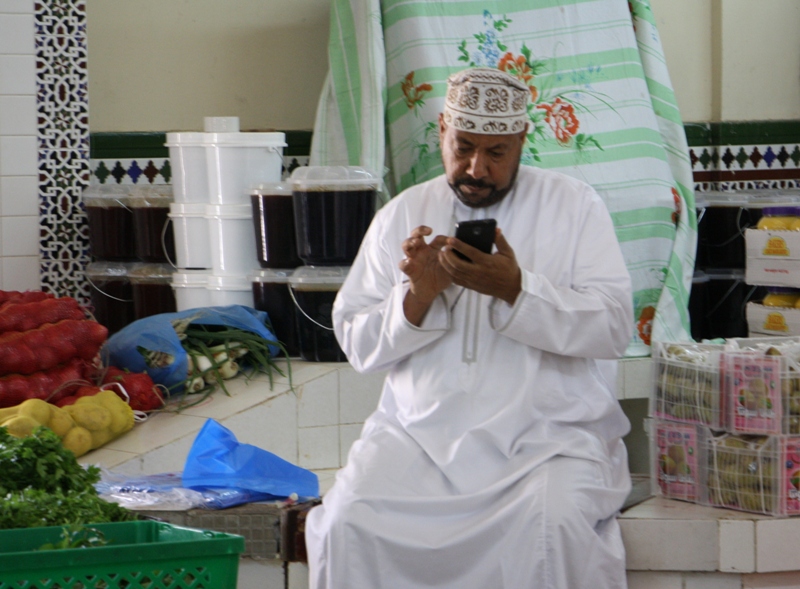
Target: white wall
x=760 y=65
x=19 y=210
x=732 y=60
x=685 y=30
x=163 y=65
x=160 y=65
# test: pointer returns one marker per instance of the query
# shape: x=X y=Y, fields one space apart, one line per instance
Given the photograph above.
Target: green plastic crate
x=139 y=555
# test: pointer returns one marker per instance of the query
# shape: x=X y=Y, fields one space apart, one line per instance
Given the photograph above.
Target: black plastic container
x=271 y=294
x=333 y=207
x=720 y=236
x=152 y=290
x=314 y=290
x=273 y=221
x=698 y=306
x=728 y=295
x=155 y=237
x=111 y=293
x=110 y=220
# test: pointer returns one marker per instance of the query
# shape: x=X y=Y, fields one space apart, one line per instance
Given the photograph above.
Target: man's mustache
x=473 y=183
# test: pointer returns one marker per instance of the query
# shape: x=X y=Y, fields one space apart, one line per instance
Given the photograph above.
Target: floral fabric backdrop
x=602 y=109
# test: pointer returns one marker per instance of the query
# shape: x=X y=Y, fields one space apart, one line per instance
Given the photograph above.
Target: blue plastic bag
x=157 y=333
x=217 y=460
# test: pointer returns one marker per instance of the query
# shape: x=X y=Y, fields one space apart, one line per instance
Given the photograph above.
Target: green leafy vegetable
x=42 y=484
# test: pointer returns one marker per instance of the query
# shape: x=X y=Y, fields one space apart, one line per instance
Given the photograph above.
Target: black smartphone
x=479 y=234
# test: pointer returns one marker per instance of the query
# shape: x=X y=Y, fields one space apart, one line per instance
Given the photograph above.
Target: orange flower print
x=519 y=68
x=676 y=214
x=645 y=324
x=562 y=120
x=413 y=94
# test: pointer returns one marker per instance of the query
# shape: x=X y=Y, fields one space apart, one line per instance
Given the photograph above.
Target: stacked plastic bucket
x=330 y=210
x=213 y=173
x=130 y=243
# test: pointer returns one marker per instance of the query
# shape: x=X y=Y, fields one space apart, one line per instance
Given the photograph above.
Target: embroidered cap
x=486 y=101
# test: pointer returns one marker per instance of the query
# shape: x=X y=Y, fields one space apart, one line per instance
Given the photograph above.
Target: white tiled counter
x=311 y=424
x=675 y=545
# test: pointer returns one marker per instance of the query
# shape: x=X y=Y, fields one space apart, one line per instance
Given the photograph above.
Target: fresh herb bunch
x=40 y=461
x=42 y=484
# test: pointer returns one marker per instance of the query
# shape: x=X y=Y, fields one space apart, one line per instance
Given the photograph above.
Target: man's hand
x=496 y=275
x=426 y=275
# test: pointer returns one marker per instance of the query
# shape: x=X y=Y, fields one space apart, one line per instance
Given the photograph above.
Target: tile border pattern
x=745 y=156
x=141 y=158
x=60 y=41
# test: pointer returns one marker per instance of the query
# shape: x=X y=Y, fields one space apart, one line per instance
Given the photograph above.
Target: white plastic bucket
x=232 y=239
x=187 y=157
x=230 y=290
x=238 y=161
x=190 y=289
x=191 y=230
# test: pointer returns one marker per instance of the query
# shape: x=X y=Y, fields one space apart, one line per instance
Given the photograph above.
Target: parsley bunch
x=43 y=484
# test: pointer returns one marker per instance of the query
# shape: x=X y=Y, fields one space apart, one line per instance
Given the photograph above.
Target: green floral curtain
x=602 y=110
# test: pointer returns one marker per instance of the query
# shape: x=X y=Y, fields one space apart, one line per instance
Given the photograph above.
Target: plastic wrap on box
x=687 y=383
x=743 y=473
x=763 y=385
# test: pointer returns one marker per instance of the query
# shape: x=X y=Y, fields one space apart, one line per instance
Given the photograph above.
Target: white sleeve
x=368 y=316
x=591 y=318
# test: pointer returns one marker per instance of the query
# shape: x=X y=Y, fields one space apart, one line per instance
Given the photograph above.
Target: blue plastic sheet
x=157 y=334
x=217 y=460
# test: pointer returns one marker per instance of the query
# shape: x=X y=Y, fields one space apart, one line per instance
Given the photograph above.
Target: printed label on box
x=755 y=393
x=775 y=321
x=677 y=460
x=775 y=246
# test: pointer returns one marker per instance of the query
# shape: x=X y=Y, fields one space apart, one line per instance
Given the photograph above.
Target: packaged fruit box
x=687 y=383
x=744 y=473
x=675 y=456
x=762 y=385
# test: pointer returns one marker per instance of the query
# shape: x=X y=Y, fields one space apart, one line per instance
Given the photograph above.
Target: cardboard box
x=678 y=468
x=763 y=320
x=773 y=257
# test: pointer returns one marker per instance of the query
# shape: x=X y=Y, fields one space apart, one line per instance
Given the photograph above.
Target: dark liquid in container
x=273 y=219
x=151 y=298
x=720 y=237
x=316 y=343
x=149 y=224
x=331 y=224
x=726 y=314
x=276 y=301
x=111 y=233
x=113 y=303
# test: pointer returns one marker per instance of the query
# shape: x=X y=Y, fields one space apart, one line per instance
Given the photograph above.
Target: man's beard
x=476 y=202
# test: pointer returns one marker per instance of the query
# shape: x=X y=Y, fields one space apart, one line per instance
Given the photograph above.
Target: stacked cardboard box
x=773 y=259
x=726 y=424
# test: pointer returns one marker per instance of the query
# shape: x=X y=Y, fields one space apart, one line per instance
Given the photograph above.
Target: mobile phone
x=479 y=234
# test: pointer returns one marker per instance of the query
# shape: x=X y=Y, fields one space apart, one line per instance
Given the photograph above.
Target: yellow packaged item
x=778 y=218
x=781 y=297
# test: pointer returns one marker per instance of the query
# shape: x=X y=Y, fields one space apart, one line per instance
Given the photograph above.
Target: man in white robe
x=495 y=457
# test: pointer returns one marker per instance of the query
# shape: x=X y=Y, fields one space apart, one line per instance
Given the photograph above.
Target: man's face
x=480 y=169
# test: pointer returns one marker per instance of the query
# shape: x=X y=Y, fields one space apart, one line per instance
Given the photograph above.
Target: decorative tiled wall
x=63 y=144
x=745 y=156
x=141 y=158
